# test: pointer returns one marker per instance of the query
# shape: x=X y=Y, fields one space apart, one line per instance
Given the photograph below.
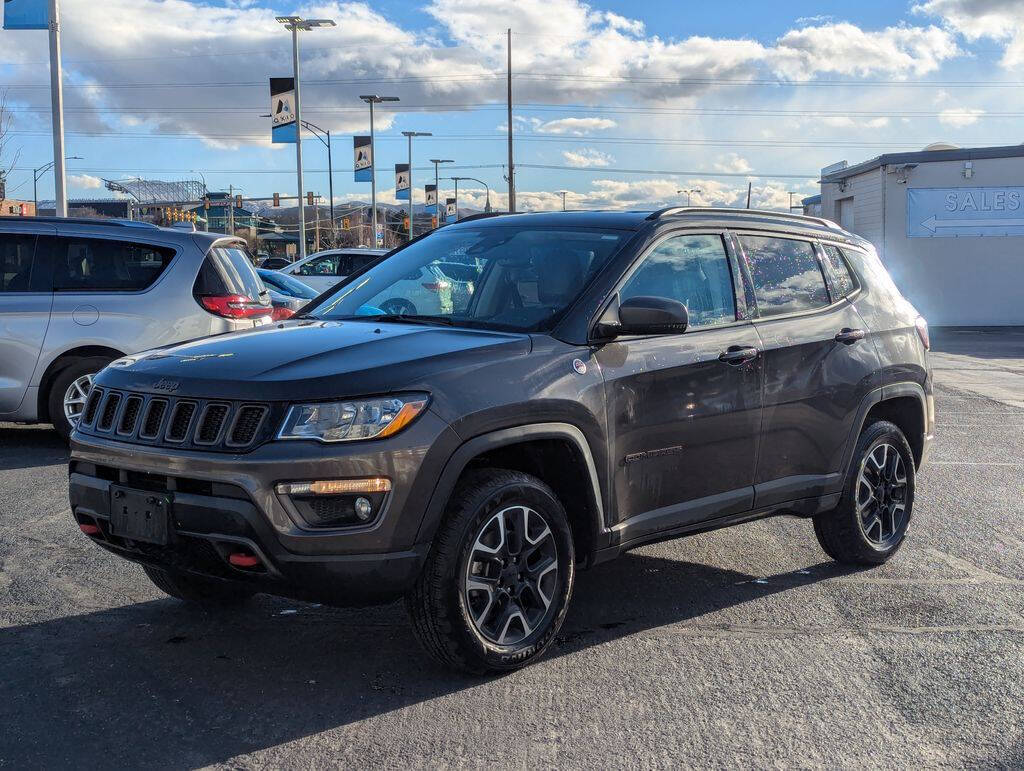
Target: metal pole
x=35 y=192
x=330 y=182
x=456 y=198
x=437 y=195
x=298 y=143
x=373 y=178
x=231 y=210
x=511 y=165
x=57 y=108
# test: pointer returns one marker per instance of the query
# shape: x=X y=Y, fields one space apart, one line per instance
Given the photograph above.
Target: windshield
x=509 y=278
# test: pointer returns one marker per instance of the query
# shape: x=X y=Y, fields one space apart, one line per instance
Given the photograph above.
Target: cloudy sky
x=619 y=103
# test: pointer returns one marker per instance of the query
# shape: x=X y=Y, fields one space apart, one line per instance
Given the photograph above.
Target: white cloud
x=998 y=20
x=959 y=117
x=575 y=126
x=732 y=163
x=85 y=182
x=587 y=157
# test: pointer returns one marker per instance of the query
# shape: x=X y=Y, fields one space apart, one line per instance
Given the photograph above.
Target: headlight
x=352 y=420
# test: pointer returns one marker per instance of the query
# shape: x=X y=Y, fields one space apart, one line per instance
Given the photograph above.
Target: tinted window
x=16 y=262
x=237 y=272
x=515 y=278
x=327 y=265
x=786 y=275
x=94 y=264
x=286 y=284
x=842 y=280
x=693 y=270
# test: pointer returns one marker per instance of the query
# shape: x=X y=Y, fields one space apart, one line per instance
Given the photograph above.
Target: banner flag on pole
x=282 y=111
x=362 y=158
x=402 y=191
x=430 y=192
x=450 y=211
x=26 y=14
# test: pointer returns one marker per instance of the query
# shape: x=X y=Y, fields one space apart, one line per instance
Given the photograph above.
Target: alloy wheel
x=882 y=495
x=74 y=398
x=511 y=575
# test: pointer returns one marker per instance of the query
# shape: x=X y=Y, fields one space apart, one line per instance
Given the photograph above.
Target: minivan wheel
x=872 y=518
x=69 y=390
x=196 y=589
x=496 y=585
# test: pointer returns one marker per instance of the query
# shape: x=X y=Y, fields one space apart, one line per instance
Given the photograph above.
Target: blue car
x=285 y=284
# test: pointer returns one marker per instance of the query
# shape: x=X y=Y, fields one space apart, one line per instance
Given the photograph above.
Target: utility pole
x=511 y=165
x=60 y=187
x=456 y=180
x=409 y=135
x=749 y=186
x=562 y=193
x=316 y=241
x=372 y=99
x=295 y=23
x=231 y=209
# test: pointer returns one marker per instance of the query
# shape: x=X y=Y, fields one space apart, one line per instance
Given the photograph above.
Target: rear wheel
x=69 y=391
x=398 y=306
x=496 y=586
x=872 y=518
x=196 y=589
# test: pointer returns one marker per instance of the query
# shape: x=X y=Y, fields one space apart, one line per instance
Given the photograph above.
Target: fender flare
x=505 y=437
x=872 y=398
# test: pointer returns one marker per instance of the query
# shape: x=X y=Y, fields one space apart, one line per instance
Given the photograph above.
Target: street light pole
x=470 y=179
x=437 y=186
x=409 y=135
x=691 y=190
x=296 y=23
x=38 y=173
x=372 y=99
x=562 y=193
x=60 y=187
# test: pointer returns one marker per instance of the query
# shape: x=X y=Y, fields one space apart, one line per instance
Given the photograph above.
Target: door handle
x=849 y=336
x=737 y=354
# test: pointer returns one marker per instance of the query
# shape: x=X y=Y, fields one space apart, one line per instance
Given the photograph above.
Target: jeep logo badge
x=166 y=385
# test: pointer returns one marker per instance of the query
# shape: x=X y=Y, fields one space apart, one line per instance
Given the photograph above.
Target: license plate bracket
x=140 y=515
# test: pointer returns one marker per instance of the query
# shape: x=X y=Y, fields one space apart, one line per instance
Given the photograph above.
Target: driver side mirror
x=643 y=315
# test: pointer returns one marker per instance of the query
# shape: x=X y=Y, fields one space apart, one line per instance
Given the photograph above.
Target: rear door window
x=327 y=265
x=786 y=275
x=843 y=284
x=18 y=269
x=103 y=265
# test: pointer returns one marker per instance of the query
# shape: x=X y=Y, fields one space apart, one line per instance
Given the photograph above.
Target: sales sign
x=945 y=212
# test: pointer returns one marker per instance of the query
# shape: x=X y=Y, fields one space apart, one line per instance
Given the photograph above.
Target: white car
x=323 y=270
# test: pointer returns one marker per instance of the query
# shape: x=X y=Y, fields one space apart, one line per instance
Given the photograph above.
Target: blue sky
x=620 y=103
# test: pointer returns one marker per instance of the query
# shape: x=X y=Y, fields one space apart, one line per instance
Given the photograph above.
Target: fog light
x=364 y=509
x=336 y=486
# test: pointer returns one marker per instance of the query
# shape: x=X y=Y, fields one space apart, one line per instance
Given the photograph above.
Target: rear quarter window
x=228 y=270
x=843 y=282
x=99 y=264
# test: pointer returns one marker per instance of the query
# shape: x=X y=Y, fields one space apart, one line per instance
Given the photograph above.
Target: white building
x=947 y=222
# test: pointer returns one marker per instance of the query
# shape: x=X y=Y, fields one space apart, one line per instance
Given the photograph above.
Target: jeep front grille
x=168 y=421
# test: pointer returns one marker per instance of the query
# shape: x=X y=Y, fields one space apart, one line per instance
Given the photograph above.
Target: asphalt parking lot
x=745 y=647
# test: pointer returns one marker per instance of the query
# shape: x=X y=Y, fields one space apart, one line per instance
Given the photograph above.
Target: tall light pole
x=372 y=99
x=511 y=163
x=691 y=190
x=409 y=135
x=294 y=24
x=37 y=173
x=562 y=193
x=437 y=185
x=470 y=179
x=60 y=187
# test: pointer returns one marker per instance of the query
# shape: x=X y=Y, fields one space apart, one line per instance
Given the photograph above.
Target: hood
x=307 y=359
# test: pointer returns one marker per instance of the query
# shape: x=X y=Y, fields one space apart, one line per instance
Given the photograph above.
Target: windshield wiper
x=408 y=318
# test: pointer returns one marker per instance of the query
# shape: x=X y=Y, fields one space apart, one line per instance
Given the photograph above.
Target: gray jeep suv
x=75 y=294
x=592 y=382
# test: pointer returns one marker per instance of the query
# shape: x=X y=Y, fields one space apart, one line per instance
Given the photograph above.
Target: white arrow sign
x=934 y=222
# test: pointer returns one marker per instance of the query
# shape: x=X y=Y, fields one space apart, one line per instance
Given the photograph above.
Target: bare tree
x=8 y=156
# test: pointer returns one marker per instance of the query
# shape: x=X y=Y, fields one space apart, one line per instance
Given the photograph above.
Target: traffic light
x=345 y=223
x=277 y=200
x=206 y=203
x=405 y=224
x=309 y=198
x=238 y=202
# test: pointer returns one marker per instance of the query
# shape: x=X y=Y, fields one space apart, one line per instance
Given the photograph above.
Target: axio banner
x=430 y=193
x=26 y=14
x=946 y=212
x=451 y=211
x=283 y=129
x=402 y=181
x=362 y=158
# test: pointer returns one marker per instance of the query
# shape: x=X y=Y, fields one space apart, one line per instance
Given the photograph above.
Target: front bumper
x=223 y=502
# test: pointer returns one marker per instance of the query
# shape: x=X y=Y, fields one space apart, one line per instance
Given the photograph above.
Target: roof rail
x=670 y=210
x=117 y=222
x=484 y=215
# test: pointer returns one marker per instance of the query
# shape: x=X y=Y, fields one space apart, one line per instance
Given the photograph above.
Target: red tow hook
x=241 y=559
x=89 y=529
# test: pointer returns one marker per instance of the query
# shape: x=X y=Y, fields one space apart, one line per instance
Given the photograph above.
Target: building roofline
x=924 y=156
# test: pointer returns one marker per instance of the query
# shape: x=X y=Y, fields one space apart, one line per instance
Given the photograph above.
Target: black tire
x=196 y=589
x=398 y=305
x=440 y=604
x=853 y=538
x=55 y=398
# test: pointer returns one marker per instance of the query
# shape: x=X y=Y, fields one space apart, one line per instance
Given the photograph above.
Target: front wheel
x=496 y=586
x=871 y=520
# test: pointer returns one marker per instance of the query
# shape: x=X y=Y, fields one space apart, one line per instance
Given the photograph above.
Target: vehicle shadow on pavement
x=29 y=447
x=159 y=684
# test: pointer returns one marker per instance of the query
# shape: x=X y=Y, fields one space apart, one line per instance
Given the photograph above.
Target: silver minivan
x=76 y=294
